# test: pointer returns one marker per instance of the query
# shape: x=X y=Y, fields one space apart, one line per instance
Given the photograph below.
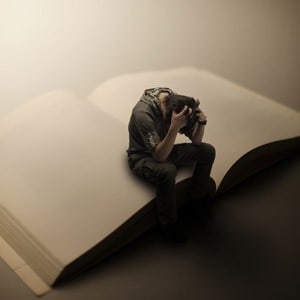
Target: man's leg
x=202 y=156
x=162 y=175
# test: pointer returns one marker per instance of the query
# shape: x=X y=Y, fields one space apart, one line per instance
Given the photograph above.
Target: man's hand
x=199 y=131
x=200 y=114
x=164 y=148
x=180 y=120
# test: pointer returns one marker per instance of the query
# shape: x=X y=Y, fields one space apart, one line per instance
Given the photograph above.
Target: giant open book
x=67 y=197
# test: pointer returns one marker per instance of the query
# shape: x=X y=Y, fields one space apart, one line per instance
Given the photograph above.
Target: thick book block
x=67 y=196
x=65 y=185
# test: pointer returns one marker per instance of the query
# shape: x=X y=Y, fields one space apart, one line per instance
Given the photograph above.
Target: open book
x=67 y=197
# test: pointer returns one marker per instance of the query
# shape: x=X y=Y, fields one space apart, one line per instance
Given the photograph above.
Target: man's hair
x=175 y=102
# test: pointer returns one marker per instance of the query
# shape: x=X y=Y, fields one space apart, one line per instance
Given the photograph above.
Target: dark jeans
x=162 y=175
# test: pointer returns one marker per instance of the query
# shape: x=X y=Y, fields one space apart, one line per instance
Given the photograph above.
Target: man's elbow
x=157 y=157
x=196 y=141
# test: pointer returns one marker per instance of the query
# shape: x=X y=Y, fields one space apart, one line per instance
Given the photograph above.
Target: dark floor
x=249 y=248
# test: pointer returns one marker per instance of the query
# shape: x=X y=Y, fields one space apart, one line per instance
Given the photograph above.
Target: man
x=152 y=155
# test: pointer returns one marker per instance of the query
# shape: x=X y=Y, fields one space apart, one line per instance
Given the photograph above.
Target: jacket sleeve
x=145 y=124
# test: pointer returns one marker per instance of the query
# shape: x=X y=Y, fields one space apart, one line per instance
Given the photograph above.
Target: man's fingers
x=186 y=111
x=198 y=110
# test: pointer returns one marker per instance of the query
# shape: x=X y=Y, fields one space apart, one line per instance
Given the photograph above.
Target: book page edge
x=24 y=272
x=275 y=151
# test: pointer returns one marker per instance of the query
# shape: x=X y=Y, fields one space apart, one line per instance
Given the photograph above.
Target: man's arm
x=198 y=134
x=163 y=149
x=199 y=130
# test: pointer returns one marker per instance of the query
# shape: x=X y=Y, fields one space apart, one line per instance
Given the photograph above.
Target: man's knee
x=167 y=172
x=211 y=151
x=208 y=151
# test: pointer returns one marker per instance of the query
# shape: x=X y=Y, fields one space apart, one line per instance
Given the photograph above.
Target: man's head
x=175 y=102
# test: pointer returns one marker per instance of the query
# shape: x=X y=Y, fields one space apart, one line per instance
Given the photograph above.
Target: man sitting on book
x=155 y=121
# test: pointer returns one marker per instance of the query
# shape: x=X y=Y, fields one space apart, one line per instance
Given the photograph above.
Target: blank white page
x=64 y=174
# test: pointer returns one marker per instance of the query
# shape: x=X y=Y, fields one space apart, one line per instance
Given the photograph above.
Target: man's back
x=146 y=127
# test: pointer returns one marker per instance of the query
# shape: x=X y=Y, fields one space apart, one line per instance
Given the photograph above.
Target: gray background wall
x=76 y=44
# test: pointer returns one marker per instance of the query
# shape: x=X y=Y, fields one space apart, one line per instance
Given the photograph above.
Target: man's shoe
x=173 y=233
